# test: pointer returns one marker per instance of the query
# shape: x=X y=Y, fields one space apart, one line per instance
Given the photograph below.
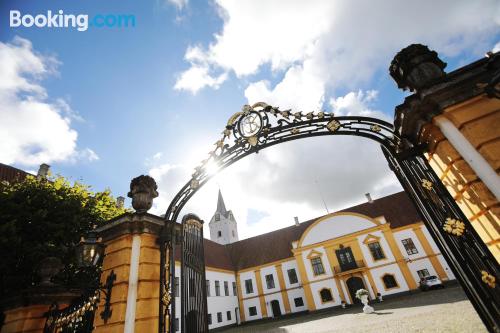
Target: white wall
x=389 y=257
x=308 y=266
x=274 y=297
x=292 y=264
x=336 y=226
x=420 y=264
x=329 y=284
x=221 y=303
x=296 y=293
x=377 y=274
x=249 y=303
x=408 y=233
x=269 y=270
x=245 y=276
x=214 y=303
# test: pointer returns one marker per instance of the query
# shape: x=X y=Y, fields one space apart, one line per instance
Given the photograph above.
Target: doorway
x=354 y=284
x=275 y=306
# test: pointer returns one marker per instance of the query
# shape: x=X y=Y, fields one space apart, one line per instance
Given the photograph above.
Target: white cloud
x=333 y=43
x=496 y=48
x=33 y=130
x=198 y=77
x=314 y=48
x=179 y=4
x=279 y=182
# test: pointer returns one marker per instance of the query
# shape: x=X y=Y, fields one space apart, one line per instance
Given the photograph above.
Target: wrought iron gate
x=194 y=293
x=260 y=126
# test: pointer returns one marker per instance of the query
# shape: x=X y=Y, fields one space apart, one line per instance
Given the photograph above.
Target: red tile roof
x=11 y=174
x=397 y=209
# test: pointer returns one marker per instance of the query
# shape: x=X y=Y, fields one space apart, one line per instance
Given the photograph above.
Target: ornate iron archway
x=260 y=126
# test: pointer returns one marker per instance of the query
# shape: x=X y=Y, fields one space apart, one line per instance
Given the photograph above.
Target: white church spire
x=223 y=226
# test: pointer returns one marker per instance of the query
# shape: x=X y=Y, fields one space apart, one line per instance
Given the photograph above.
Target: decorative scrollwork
x=261 y=125
x=454 y=227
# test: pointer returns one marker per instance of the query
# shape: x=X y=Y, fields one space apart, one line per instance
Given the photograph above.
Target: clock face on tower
x=250 y=125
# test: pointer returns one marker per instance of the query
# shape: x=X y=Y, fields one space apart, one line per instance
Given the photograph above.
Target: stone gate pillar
x=133 y=255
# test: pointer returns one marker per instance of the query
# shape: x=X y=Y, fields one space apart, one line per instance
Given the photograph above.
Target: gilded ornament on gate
x=252 y=140
x=454 y=227
x=489 y=279
x=427 y=184
x=333 y=125
x=375 y=128
x=219 y=144
x=194 y=184
x=295 y=131
x=321 y=115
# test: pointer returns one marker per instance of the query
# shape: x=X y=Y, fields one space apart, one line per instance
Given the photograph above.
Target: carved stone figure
x=143 y=190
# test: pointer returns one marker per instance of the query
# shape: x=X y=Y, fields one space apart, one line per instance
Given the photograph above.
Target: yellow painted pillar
x=284 y=293
x=240 y=297
x=403 y=266
x=305 y=282
x=132 y=253
x=430 y=253
x=260 y=292
x=116 y=259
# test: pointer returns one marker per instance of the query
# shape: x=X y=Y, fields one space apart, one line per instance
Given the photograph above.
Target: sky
x=103 y=105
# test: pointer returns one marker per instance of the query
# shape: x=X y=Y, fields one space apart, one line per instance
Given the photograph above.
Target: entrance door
x=275 y=305
x=354 y=284
x=346 y=259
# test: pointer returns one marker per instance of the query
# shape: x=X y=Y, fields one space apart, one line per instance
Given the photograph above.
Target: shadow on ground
x=448 y=295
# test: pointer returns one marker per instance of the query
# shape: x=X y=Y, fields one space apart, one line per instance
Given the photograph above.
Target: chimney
x=120 y=201
x=369 y=197
x=296 y=220
x=43 y=171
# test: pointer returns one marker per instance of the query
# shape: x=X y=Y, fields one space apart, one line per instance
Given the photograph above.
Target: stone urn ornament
x=362 y=294
x=143 y=190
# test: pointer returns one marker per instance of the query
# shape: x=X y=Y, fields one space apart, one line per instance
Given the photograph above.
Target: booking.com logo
x=60 y=20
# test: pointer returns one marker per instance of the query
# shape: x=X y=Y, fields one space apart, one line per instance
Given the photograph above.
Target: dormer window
x=219 y=233
x=217 y=217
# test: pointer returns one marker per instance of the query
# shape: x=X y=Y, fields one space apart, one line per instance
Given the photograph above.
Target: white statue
x=362 y=294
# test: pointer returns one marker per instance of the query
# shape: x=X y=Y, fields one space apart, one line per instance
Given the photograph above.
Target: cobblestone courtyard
x=446 y=310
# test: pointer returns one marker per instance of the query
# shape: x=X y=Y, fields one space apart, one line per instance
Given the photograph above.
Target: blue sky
x=154 y=97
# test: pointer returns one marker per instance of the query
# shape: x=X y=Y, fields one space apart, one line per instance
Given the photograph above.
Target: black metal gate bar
x=461 y=246
x=193 y=298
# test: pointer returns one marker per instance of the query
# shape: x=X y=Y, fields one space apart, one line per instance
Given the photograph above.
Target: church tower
x=223 y=227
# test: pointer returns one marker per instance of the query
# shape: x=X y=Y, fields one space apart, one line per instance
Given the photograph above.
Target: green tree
x=42 y=218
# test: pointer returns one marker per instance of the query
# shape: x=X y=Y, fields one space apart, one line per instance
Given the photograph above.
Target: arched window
x=217 y=217
x=219 y=233
x=326 y=295
x=389 y=281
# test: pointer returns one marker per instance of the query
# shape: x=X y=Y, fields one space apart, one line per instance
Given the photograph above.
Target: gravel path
x=445 y=310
